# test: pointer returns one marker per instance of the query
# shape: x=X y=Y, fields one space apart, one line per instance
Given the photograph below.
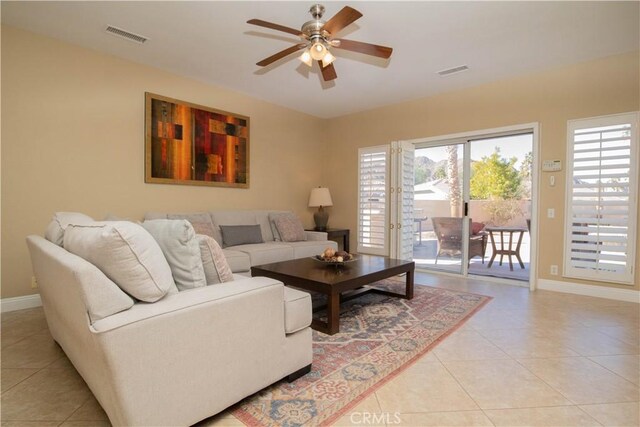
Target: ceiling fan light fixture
x=318 y=51
x=318 y=36
x=306 y=57
x=328 y=59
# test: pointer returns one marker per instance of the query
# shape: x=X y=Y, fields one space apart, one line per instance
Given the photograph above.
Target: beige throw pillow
x=178 y=242
x=201 y=222
x=216 y=267
x=290 y=228
x=126 y=253
x=60 y=222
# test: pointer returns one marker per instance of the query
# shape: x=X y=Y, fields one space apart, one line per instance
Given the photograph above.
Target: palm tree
x=455 y=197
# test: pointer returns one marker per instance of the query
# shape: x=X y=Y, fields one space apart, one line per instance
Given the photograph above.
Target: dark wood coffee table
x=334 y=282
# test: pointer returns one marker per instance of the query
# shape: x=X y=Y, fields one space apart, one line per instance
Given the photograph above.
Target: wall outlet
x=554 y=270
x=551 y=213
x=34 y=282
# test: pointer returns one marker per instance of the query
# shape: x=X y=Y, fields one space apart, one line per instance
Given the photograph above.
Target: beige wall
x=73 y=126
x=601 y=87
x=73 y=140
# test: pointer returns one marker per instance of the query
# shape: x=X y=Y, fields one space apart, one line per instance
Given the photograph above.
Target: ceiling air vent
x=126 y=34
x=453 y=70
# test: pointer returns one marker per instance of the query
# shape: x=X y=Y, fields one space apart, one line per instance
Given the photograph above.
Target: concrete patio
x=424 y=255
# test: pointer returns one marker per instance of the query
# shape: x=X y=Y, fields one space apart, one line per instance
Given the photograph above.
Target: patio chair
x=448 y=230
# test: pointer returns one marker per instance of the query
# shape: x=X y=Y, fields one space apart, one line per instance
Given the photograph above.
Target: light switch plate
x=551 y=213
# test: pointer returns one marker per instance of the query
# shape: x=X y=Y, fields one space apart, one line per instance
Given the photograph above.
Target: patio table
x=508 y=250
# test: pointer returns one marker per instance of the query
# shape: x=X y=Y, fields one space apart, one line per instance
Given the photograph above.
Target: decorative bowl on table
x=333 y=257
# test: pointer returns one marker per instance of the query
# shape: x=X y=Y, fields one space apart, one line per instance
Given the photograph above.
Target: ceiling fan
x=318 y=39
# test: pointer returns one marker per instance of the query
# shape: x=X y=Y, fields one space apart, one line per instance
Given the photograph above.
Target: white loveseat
x=181 y=359
x=242 y=257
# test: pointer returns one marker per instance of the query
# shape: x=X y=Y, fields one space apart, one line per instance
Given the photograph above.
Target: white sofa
x=242 y=257
x=181 y=359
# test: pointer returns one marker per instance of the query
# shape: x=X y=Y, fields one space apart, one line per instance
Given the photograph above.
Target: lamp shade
x=320 y=197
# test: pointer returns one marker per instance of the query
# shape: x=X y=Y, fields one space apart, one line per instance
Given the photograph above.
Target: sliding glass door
x=473 y=205
x=439 y=176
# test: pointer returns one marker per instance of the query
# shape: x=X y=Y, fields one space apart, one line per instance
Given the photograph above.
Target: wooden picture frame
x=190 y=144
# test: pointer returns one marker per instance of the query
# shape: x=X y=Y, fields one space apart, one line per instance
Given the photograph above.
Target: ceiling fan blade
x=261 y=23
x=328 y=72
x=281 y=54
x=341 y=19
x=366 y=48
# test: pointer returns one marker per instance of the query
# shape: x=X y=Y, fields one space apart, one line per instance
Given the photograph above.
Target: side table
x=337 y=233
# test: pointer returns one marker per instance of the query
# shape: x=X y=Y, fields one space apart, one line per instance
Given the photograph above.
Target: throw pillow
x=216 y=267
x=272 y=223
x=126 y=253
x=476 y=227
x=101 y=296
x=201 y=222
x=60 y=222
x=233 y=235
x=178 y=242
x=290 y=228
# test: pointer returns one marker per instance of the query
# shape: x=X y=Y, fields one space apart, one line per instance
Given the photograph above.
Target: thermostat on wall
x=551 y=165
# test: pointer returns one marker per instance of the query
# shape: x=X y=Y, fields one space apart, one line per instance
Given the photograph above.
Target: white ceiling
x=211 y=42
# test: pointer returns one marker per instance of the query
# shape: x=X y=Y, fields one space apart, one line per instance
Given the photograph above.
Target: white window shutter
x=402 y=183
x=373 y=212
x=602 y=188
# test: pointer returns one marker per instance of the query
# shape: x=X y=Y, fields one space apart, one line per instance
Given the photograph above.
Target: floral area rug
x=379 y=337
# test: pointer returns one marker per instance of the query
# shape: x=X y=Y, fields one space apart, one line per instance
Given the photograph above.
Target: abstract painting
x=195 y=145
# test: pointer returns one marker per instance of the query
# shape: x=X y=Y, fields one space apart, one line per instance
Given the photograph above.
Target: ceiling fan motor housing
x=313 y=28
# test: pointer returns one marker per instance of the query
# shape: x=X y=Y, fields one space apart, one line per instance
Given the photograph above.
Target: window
x=602 y=187
x=373 y=172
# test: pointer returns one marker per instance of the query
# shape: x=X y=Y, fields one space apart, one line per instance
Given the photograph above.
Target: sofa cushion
x=201 y=222
x=274 y=229
x=234 y=235
x=216 y=267
x=239 y=262
x=297 y=310
x=126 y=253
x=178 y=242
x=311 y=248
x=101 y=296
x=60 y=222
x=289 y=227
x=265 y=253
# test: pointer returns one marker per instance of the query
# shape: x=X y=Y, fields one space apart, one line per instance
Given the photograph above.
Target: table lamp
x=319 y=198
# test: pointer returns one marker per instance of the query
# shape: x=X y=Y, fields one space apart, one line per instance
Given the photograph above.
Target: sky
x=510 y=146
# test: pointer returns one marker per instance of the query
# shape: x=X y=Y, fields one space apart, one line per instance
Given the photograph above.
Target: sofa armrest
x=184 y=301
x=197 y=352
x=316 y=236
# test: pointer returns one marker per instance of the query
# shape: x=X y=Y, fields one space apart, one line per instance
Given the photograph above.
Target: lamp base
x=321 y=218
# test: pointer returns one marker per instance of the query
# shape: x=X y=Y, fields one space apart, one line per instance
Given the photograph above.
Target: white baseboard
x=629 y=295
x=20 y=303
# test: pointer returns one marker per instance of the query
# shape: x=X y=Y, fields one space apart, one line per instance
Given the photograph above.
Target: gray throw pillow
x=233 y=235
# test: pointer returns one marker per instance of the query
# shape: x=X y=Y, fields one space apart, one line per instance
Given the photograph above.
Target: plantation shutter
x=602 y=186
x=373 y=215
x=402 y=189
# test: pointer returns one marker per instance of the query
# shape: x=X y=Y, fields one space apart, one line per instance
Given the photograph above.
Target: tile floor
x=526 y=359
